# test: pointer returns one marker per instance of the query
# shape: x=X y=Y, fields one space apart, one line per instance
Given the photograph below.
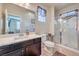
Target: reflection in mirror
x=13 y=24
x=30 y=22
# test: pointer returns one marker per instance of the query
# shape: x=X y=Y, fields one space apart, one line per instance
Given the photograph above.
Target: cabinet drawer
x=14 y=53
x=27 y=43
x=36 y=40
x=18 y=45
x=4 y=49
x=10 y=48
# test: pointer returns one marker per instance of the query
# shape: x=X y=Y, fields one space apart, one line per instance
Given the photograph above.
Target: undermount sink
x=18 y=38
x=49 y=44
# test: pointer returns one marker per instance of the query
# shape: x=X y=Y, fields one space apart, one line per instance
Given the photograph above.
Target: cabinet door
x=34 y=50
x=14 y=53
x=4 y=49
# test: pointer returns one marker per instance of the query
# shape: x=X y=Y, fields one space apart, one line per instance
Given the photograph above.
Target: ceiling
x=58 y=6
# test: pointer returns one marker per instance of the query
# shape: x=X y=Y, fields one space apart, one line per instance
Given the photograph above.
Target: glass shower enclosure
x=66 y=29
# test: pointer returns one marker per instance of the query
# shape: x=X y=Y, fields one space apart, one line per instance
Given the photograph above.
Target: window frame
x=44 y=15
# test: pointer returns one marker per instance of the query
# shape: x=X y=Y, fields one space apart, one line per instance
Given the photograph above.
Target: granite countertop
x=16 y=39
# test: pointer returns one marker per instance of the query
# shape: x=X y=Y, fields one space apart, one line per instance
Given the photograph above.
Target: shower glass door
x=69 y=33
x=56 y=31
x=66 y=31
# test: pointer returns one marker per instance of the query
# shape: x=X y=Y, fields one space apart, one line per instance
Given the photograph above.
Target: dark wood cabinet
x=26 y=48
x=34 y=49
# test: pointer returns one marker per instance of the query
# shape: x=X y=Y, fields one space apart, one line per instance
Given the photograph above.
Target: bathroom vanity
x=31 y=46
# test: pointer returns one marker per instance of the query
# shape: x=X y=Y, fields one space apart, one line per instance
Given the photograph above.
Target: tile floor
x=58 y=54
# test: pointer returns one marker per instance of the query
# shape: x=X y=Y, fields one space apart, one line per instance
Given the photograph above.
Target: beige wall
x=51 y=21
x=48 y=26
x=69 y=8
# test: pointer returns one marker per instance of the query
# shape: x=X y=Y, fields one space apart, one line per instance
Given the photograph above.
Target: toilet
x=47 y=47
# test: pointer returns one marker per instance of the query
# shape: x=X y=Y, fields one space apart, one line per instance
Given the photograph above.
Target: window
x=41 y=14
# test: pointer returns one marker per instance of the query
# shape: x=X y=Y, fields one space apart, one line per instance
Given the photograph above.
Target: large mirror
x=16 y=19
